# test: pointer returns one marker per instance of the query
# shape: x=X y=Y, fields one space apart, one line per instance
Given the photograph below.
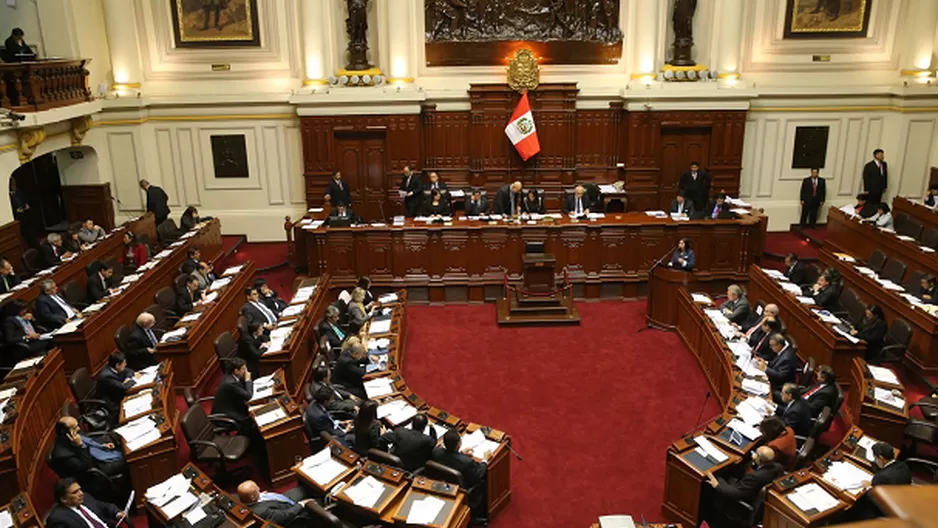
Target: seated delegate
x=736 y=306
x=233 y=394
x=477 y=204
x=90 y=232
x=576 y=204
x=142 y=341
x=681 y=205
x=8 y=278
x=52 y=310
x=284 y=509
x=73 y=454
x=113 y=382
x=532 y=203
x=75 y=508
x=21 y=335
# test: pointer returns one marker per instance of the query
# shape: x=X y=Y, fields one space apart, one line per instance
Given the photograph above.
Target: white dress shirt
x=69 y=312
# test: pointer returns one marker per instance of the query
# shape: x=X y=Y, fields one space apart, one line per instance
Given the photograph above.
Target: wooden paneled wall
x=469 y=148
x=11 y=244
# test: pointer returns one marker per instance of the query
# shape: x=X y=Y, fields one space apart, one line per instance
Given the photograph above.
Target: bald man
x=508 y=199
x=142 y=341
x=287 y=509
x=755 y=319
x=747 y=488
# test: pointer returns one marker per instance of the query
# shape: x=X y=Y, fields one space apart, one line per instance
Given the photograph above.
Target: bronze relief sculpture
x=682 y=20
x=357 y=27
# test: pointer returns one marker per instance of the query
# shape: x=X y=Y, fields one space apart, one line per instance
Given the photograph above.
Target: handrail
x=45 y=84
x=566 y=286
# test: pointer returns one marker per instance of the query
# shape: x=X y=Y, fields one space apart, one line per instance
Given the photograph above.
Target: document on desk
x=147 y=375
x=194 y=316
x=774 y=273
x=189 y=234
x=826 y=316
x=744 y=429
x=169 y=489
x=616 y=521
x=867 y=444
x=292 y=310
x=366 y=492
x=321 y=467
x=905 y=238
x=740 y=348
x=233 y=270
x=6 y=519
x=926 y=249
x=793 y=289
x=911 y=298
x=163 y=254
x=270 y=417
x=889 y=398
x=7 y=394
x=440 y=430
x=756 y=387
x=388 y=298
x=92 y=308
x=478 y=445
x=179 y=505
x=139 y=433
x=28 y=363
x=701 y=298
x=883 y=374
x=219 y=284
x=847 y=477
x=195 y=515
x=174 y=335
x=262 y=390
x=807 y=301
x=138 y=403
x=210 y=298
x=275 y=345
x=69 y=327
x=811 y=496
x=378 y=387
x=863 y=270
x=710 y=449
x=379 y=327
x=849 y=337
x=425 y=510
x=657 y=214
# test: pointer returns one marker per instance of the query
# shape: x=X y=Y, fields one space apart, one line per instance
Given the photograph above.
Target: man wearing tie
x=52 y=251
x=52 y=311
x=255 y=311
x=75 y=508
x=477 y=204
x=508 y=199
x=337 y=191
x=577 y=204
x=19 y=333
x=875 y=175
x=188 y=296
x=142 y=341
x=157 y=201
x=681 y=205
x=435 y=184
x=813 y=195
x=411 y=187
x=696 y=185
x=8 y=278
x=286 y=509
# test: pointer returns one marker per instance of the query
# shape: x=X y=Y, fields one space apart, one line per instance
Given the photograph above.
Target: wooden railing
x=41 y=85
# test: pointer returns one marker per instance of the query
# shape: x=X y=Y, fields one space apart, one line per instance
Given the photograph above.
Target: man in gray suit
x=286 y=509
x=736 y=307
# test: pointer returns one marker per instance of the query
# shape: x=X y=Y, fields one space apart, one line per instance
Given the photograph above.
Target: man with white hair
x=755 y=319
x=52 y=310
x=284 y=509
x=736 y=307
x=746 y=489
x=142 y=341
x=52 y=251
x=508 y=199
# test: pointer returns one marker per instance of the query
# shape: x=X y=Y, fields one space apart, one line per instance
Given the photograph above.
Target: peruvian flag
x=521 y=130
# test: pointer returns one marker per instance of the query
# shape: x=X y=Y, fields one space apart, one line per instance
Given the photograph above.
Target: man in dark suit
x=74 y=454
x=142 y=341
x=188 y=296
x=337 y=191
x=53 y=311
x=350 y=369
x=823 y=293
x=824 y=392
x=745 y=489
x=76 y=509
x=794 y=411
x=157 y=201
x=319 y=418
x=15 y=48
x=21 y=335
x=286 y=509
x=758 y=339
x=695 y=183
x=342 y=216
x=813 y=195
x=51 y=250
x=736 y=307
x=342 y=401
x=477 y=204
x=474 y=473
x=718 y=208
x=795 y=270
x=576 y=203
x=435 y=183
x=8 y=278
x=233 y=394
x=269 y=297
x=681 y=205
x=251 y=346
x=889 y=471
x=113 y=382
x=255 y=312
x=928 y=289
x=98 y=286
x=410 y=444
x=329 y=327
x=508 y=199
x=875 y=176
x=783 y=367
x=193 y=259
x=412 y=188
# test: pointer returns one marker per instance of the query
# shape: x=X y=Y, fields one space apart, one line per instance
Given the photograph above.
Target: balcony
x=44 y=85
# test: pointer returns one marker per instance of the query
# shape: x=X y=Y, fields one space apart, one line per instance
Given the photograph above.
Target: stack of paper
x=148 y=266
x=794 y=289
x=867 y=443
x=926 y=249
x=478 y=445
x=179 y=505
x=194 y=316
x=847 y=477
x=388 y=298
x=160 y=494
x=657 y=214
x=378 y=344
x=379 y=327
x=69 y=327
x=888 y=397
x=162 y=254
x=807 y=301
x=314 y=225
x=147 y=375
x=366 y=492
x=176 y=244
x=439 y=429
x=710 y=450
x=219 y=284
x=811 y=496
x=96 y=307
x=292 y=311
x=744 y=429
x=190 y=234
x=756 y=387
x=425 y=510
x=905 y=238
x=28 y=363
x=397 y=411
x=911 y=298
x=701 y=298
x=210 y=298
x=134 y=277
x=883 y=375
x=263 y=387
x=174 y=335
x=321 y=467
x=826 y=316
x=138 y=404
x=616 y=521
x=275 y=345
x=378 y=387
x=316 y=209
x=233 y=270
x=303 y=294
x=139 y=433
x=774 y=273
x=270 y=417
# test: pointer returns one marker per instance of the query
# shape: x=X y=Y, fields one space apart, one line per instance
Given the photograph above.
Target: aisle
x=592 y=409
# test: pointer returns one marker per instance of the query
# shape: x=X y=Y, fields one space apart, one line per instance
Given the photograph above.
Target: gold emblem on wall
x=29 y=139
x=523 y=72
x=80 y=127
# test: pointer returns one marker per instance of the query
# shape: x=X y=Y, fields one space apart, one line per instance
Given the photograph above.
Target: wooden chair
x=207 y=442
x=897 y=342
x=876 y=261
x=894 y=270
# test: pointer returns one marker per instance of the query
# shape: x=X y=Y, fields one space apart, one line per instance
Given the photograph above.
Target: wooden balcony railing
x=45 y=84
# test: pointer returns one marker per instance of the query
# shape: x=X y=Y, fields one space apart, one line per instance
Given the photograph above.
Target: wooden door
x=679 y=147
x=361 y=159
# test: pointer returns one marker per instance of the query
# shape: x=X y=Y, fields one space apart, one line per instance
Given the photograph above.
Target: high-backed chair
x=383 y=457
x=894 y=270
x=226 y=348
x=807 y=372
x=88 y=422
x=910 y=227
x=75 y=294
x=914 y=281
x=166 y=298
x=120 y=338
x=801 y=457
x=876 y=261
x=897 y=341
x=84 y=389
x=930 y=238
x=852 y=308
x=180 y=281
x=207 y=445
x=163 y=320
x=742 y=514
x=167 y=232
x=920 y=431
x=323 y=517
x=436 y=471
x=32 y=261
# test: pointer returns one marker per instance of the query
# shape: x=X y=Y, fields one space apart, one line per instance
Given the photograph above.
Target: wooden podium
x=663 y=286
x=540 y=301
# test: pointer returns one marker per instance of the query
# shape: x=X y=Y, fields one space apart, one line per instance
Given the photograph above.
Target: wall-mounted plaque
x=810 y=147
x=230 y=156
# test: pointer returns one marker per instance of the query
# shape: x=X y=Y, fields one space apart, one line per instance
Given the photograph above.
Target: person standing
x=157 y=201
x=411 y=188
x=337 y=191
x=695 y=183
x=875 y=177
x=813 y=196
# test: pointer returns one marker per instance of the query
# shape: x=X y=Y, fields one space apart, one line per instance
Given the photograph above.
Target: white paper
x=366 y=492
x=151 y=436
x=147 y=375
x=270 y=417
x=28 y=363
x=847 y=477
x=321 y=467
x=219 y=284
x=701 y=298
x=886 y=396
x=883 y=375
x=712 y=451
x=96 y=307
x=926 y=249
x=194 y=316
x=6 y=519
x=826 y=316
x=345 y=296
x=379 y=327
x=69 y=327
x=744 y=429
x=262 y=392
x=378 y=387
x=316 y=210
x=424 y=511
x=232 y=270
x=179 y=505
x=755 y=387
x=849 y=337
x=194 y=516
x=616 y=521
x=160 y=494
x=174 y=335
x=808 y=301
x=793 y=289
x=387 y=298
x=291 y=311
x=138 y=403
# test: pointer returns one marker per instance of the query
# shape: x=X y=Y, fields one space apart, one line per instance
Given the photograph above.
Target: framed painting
x=230 y=157
x=214 y=23
x=827 y=19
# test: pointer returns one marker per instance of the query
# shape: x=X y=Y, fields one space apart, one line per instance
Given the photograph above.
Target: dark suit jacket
x=279 y=513
x=689 y=260
x=737 y=311
x=413 y=447
x=63 y=517
x=569 y=203
x=783 y=367
x=50 y=256
x=807 y=194
x=873 y=181
x=724 y=211
x=138 y=357
x=503 y=200
x=190 y=265
x=473 y=472
x=747 y=488
x=826 y=298
x=826 y=396
x=187 y=222
x=13 y=51
x=325 y=329
x=440 y=184
x=249 y=349
x=415 y=186
x=697 y=191
x=476 y=209
x=896 y=473
x=96 y=288
x=12 y=280
x=232 y=397
x=273 y=302
x=338 y=196
x=796 y=415
x=157 y=203
x=874 y=333
x=931 y=292
x=253 y=314
x=535 y=206
x=49 y=313
x=760 y=344
x=441 y=209
x=13 y=331
x=688 y=206
x=185 y=301
x=111 y=387
x=797 y=273
x=317 y=418
x=348 y=372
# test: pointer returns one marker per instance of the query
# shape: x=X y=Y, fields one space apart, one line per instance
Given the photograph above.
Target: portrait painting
x=230 y=156
x=214 y=23
x=827 y=19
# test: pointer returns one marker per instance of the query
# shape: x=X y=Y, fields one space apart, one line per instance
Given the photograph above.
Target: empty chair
x=166 y=299
x=803 y=454
x=853 y=309
x=897 y=342
x=206 y=445
x=167 y=232
x=894 y=271
x=912 y=228
x=930 y=238
x=383 y=457
x=31 y=260
x=914 y=281
x=436 y=471
x=811 y=273
x=226 y=348
x=75 y=294
x=120 y=338
x=84 y=390
x=323 y=517
x=876 y=261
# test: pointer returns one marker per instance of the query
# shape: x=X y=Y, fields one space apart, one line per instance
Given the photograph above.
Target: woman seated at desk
x=780 y=438
x=873 y=331
x=437 y=206
x=368 y=428
x=882 y=218
x=135 y=254
x=532 y=203
x=358 y=315
x=71 y=242
x=683 y=257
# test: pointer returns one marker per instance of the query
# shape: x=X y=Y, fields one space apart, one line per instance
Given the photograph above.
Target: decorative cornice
x=28 y=140
x=80 y=127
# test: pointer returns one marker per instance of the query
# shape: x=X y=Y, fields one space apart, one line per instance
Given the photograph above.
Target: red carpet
x=592 y=409
x=786 y=242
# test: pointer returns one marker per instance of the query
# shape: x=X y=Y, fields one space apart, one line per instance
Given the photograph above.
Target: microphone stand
x=651 y=271
x=699 y=415
x=121 y=208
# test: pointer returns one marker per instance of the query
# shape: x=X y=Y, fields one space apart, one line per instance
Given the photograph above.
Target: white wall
x=24 y=15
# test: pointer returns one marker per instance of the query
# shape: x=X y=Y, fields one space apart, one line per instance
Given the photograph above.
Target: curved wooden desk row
x=466 y=261
x=90 y=345
x=922 y=353
x=813 y=336
x=685 y=478
x=74 y=269
x=401 y=491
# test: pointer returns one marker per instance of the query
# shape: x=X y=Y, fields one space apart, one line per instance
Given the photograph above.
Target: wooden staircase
x=518 y=309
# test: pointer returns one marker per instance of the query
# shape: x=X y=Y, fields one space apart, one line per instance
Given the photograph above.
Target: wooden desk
x=781 y=512
x=814 y=337
x=702 y=340
x=91 y=344
x=861 y=240
x=455 y=511
x=283 y=439
x=467 y=260
x=156 y=461
x=193 y=358
x=164 y=397
x=915 y=210
x=663 y=287
x=922 y=355
x=911 y=503
x=237 y=515
x=394 y=482
x=23 y=512
x=340 y=454
x=879 y=419
x=296 y=357
x=684 y=480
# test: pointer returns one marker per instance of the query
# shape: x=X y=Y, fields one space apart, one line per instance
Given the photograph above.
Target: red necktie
x=94 y=522
x=812 y=391
x=815 y=187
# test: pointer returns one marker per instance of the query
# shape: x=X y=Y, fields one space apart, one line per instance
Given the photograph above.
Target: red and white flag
x=521 y=130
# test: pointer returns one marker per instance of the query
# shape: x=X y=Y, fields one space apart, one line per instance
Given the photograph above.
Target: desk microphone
x=508 y=445
x=699 y=415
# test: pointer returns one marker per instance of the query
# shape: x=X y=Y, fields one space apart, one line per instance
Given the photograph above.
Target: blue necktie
x=271 y=496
